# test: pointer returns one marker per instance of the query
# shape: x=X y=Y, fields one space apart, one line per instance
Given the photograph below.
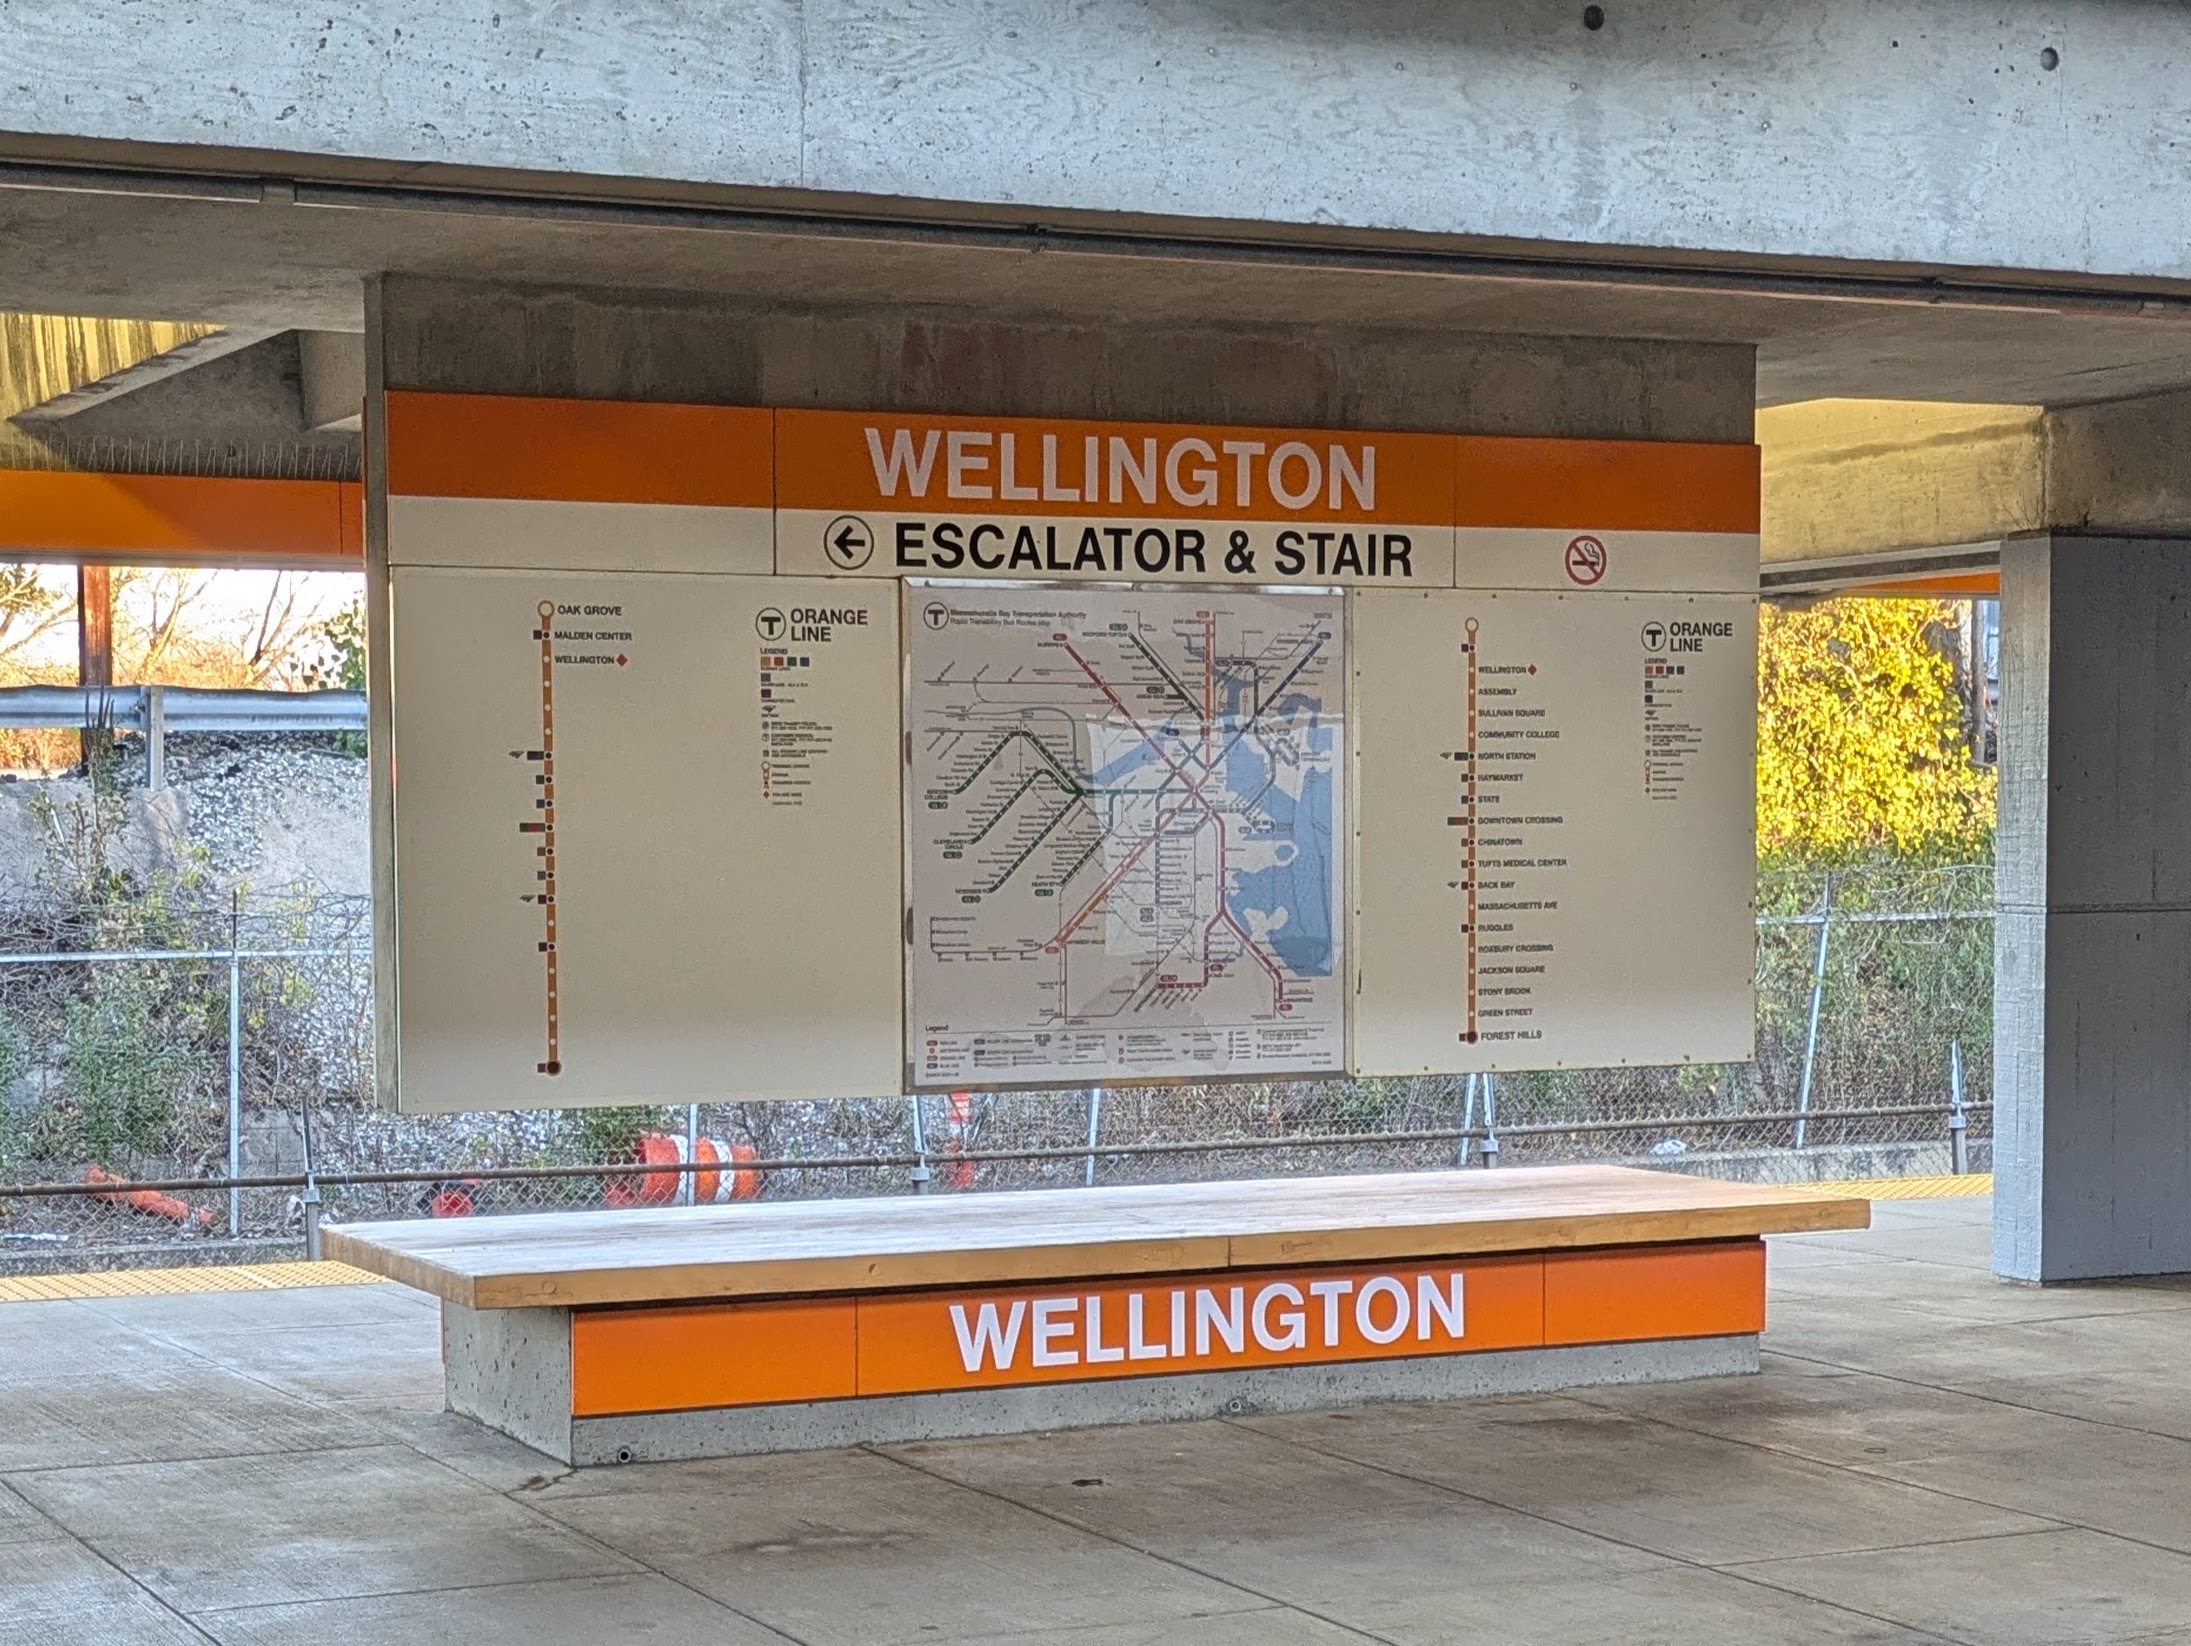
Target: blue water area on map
x=1295 y=894
x=1137 y=757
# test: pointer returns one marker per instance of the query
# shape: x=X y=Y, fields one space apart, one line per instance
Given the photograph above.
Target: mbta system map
x=1125 y=834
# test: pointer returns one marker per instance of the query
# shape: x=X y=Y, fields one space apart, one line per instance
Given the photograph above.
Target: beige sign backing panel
x=701 y=775
x=552 y=535
x=1125 y=830
x=1573 y=561
x=1556 y=830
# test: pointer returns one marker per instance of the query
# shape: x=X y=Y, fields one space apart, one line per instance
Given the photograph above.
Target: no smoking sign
x=1585 y=561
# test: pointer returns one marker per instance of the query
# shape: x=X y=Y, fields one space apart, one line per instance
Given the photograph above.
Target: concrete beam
x=1848 y=481
x=2123 y=466
x=104 y=390
x=331 y=380
x=654 y=346
x=2021 y=136
x=45 y=357
x=238 y=413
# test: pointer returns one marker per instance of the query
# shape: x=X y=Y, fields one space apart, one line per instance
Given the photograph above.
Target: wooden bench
x=701 y=1331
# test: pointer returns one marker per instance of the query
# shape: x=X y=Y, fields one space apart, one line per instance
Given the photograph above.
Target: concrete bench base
x=511 y=1370
x=711 y=1331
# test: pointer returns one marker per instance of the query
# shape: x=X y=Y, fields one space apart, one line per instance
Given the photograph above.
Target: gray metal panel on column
x=2117 y=1189
x=2019 y=933
x=2019 y=1086
x=2092 y=982
x=2119 y=733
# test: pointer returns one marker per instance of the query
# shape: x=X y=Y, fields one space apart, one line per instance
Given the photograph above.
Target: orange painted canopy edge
x=579 y=451
x=1945 y=586
x=181 y=518
x=1618 y=485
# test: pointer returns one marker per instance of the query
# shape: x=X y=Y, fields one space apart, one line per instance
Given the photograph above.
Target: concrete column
x=2092 y=988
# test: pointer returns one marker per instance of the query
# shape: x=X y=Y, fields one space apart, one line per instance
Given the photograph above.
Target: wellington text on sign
x=1209 y=1322
x=1038 y=498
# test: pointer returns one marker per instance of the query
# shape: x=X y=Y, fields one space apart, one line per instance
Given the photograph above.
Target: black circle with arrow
x=849 y=542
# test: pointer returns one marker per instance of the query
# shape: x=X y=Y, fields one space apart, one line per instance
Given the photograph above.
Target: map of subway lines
x=1126 y=834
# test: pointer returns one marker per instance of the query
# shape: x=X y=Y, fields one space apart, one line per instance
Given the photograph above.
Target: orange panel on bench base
x=744 y=1354
x=696 y=1357
x=1654 y=1292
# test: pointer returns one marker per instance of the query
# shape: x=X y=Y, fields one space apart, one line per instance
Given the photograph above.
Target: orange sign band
x=610 y=451
x=1626 y=485
x=743 y=1354
x=579 y=451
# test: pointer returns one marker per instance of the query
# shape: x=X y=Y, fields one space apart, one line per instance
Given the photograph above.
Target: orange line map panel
x=1555 y=814
x=646 y=838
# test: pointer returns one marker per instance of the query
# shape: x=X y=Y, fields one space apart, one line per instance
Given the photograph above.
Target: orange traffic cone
x=149 y=1201
x=708 y=1187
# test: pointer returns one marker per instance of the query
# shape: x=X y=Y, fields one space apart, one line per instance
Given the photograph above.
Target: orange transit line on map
x=1467 y=822
x=552 y=1064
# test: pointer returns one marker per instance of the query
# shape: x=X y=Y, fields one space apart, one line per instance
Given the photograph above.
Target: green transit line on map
x=998 y=815
x=1157 y=663
x=1003 y=743
x=1041 y=835
x=1094 y=846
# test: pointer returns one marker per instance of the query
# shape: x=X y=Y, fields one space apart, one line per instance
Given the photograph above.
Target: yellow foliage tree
x=1861 y=746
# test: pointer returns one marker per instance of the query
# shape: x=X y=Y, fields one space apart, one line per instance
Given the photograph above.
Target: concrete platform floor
x=1929 y=1455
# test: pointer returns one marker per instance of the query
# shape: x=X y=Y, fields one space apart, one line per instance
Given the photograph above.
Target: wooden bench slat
x=825 y=1246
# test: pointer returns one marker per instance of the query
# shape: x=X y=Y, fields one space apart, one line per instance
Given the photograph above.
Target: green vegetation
x=1862 y=751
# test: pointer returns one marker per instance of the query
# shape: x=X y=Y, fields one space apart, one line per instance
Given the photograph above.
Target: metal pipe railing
x=884 y=1162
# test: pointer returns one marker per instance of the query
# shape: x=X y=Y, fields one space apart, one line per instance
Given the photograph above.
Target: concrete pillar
x=2092 y=987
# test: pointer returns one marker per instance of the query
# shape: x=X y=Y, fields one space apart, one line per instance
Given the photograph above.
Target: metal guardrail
x=108 y=1188
x=312 y=1184
x=156 y=711
x=180 y=709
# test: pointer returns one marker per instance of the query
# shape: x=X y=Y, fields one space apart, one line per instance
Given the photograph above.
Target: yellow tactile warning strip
x=1970 y=1186
x=242 y=1277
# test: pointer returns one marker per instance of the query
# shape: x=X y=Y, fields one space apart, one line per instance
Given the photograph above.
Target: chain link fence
x=172 y=1072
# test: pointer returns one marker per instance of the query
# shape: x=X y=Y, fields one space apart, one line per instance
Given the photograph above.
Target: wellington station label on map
x=1036 y=499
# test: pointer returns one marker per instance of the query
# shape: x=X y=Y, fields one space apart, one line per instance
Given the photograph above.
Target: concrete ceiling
x=287 y=256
